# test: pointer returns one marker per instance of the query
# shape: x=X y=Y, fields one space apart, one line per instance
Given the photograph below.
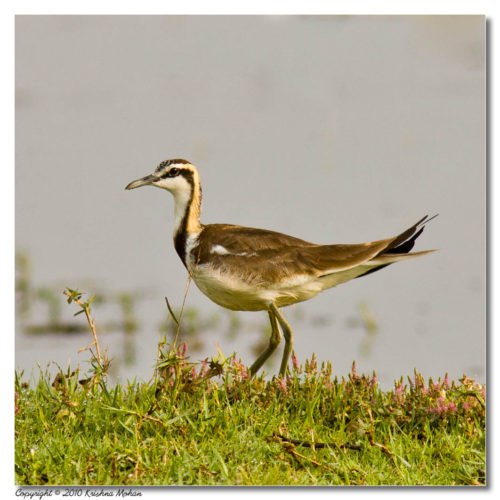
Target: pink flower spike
x=204 y=366
x=295 y=363
x=182 y=350
x=452 y=408
x=282 y=384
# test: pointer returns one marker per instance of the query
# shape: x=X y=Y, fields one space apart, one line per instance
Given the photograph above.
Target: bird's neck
x=186 y=217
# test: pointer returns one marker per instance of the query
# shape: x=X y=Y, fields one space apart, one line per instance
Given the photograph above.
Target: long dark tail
x=404 y=242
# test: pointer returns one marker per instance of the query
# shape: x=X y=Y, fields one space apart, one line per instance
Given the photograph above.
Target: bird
x=248 y=269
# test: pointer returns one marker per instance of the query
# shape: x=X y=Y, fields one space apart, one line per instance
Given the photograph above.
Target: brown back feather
x=269 y=256
x=266 y=257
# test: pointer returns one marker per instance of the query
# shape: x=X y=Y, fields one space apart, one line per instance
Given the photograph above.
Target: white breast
x=228 y=290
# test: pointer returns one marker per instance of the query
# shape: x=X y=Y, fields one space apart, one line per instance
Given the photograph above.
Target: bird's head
x=177 y=176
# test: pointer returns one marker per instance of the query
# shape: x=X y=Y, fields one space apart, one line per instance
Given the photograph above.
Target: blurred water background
x=334 y=129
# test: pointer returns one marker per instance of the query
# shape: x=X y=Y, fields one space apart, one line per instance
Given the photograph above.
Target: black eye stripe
x=167 y=163
x=174 y=172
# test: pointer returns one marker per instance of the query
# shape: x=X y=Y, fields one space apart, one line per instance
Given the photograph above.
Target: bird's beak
x=149 y=179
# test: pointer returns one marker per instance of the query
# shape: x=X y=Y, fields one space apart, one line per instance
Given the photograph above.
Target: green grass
x=209 y=424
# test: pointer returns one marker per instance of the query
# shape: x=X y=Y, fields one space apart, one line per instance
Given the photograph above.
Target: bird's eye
x=173 y=172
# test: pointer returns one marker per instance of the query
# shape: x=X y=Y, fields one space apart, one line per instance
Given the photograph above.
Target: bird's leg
x=273 y=343
x=288 y=334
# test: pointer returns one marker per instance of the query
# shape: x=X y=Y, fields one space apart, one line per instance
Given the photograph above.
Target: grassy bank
x=209 y=424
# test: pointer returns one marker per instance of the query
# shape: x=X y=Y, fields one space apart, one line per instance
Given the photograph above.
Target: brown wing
x=272 y=266
x=262 y=257
x=238 y=239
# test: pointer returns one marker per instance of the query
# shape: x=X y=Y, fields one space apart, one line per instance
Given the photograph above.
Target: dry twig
x=74 y=296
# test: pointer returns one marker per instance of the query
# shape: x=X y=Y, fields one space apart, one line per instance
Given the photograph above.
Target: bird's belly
x=232 y=293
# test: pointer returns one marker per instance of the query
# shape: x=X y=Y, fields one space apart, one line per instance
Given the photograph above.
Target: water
x=332 y=129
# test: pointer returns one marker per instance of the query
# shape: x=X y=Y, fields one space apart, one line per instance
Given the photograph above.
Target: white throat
x=187 y=202
x=181 y=204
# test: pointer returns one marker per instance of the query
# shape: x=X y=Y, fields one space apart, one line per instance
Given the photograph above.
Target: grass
x=211 y=424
